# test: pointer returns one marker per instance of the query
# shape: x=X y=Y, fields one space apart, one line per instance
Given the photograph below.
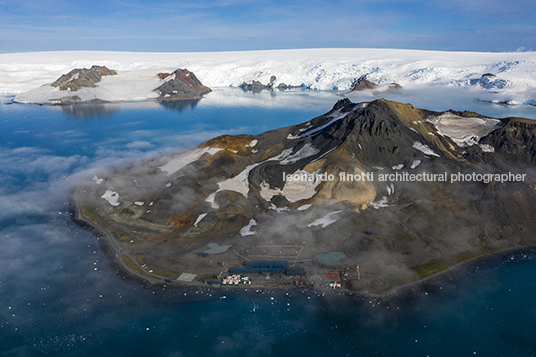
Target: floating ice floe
x=112 y=197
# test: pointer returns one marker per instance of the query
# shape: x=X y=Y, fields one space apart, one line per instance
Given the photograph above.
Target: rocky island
x=100 y=84
x=368 y=197
x=363 y=84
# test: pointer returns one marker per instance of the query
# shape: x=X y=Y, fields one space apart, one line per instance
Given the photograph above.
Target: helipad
x=186 y=277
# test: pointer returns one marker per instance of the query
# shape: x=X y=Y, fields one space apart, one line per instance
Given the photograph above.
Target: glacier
x=320 y=69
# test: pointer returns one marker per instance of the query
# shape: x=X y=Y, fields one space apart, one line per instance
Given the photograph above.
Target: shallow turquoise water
x=215 y=248
x=330 y=258
x=59 y=295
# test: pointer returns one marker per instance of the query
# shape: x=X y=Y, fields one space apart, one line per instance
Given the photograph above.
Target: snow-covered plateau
x=498 y=77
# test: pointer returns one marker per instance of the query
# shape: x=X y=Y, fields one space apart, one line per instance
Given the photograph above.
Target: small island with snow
x=100 y=84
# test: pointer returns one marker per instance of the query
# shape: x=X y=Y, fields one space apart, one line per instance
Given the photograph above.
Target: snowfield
x=324 y=69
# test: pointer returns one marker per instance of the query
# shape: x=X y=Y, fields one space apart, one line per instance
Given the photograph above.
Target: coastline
x=106 y=243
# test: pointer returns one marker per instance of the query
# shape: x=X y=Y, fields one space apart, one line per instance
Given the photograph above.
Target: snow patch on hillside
x=424 y=148
x=186 y=158
x=464 y=131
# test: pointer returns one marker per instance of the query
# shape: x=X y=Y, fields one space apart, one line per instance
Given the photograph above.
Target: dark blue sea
x=60 y=296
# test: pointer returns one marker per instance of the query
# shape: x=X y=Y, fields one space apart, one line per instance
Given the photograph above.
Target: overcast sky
x=204 y=25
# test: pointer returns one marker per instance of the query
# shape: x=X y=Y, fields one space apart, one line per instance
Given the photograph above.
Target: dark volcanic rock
x=515 y=141
x=489 y=81
x=181 y=84
x=257 y=86
x=82 y=77
x=362 y=83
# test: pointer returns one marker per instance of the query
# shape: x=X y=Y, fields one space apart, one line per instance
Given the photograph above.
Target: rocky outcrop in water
x=181 y=84
x=404 y=193
x=362 y=83
x=257 y=86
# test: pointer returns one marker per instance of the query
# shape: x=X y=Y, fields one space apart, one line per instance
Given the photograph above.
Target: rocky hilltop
x=181 y=84
x=363 y=84
x=381 y=193
x=82 y=77
x=100 y=84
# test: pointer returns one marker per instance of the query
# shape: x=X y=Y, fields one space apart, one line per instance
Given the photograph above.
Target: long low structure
x=256 y=270
x=267 y=264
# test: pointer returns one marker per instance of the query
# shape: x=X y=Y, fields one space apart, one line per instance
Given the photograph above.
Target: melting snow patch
x=324 y=221
x=97 y=180
x=462 y=130
x=424 y=148
x=252 y=143
x=168 y=184
x=415 y=164
x=186 y=158
x=292 y=137
x=246 y=231
x=337 y=115
x=306 y=151
x=279 y=210
x=139 y=203
x=239 y=183
x=398 y=167
x=294 y=190
x=266 y=192
x=304 y=207
x=487 y=148
x=199 y=219
x=380 y=204
x=112 y=197
x=210 y=199
x=302 y=189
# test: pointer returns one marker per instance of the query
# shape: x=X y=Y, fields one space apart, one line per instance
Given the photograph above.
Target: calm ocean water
x=59 y=296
